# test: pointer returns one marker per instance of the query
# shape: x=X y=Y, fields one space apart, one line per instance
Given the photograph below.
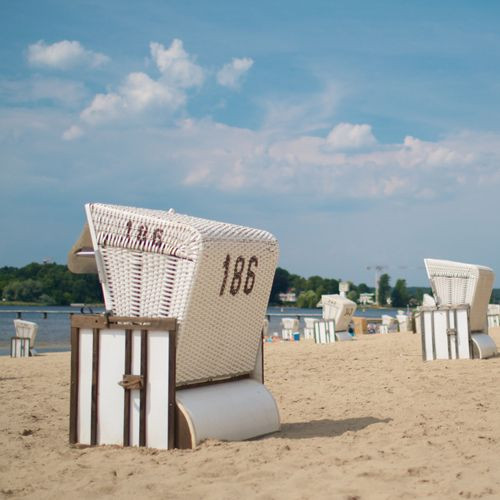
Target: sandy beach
x=360 y=420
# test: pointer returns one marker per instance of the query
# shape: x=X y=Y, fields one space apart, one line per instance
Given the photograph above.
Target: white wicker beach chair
x=340 y=310
x=24 y=330
x=493 y=315
x=389 y=324
x=309 y=327
x=215 y=279
x=456 y=327
x=403 y=322
x=337 y=315
x=289 y=326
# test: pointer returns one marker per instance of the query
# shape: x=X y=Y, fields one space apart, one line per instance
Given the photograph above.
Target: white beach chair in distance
x=289 y=326
x=403 y=321
x=341 y=310
x=456 y=327
x=309 y=328
x=324 y=331
x=214 y=279
x=493 y=315
x=24 y=330
x=389 y=324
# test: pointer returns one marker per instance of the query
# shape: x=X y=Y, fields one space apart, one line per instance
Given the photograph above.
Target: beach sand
x=360 y=420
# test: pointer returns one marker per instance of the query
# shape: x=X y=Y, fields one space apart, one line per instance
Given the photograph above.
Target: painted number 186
x=240 y=277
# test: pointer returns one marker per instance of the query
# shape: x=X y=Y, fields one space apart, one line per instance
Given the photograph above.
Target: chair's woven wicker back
x=26 y=329
x=456 y=284
x=215 y=278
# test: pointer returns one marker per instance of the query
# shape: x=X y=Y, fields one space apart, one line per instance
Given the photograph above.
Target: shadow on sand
x=326 y=427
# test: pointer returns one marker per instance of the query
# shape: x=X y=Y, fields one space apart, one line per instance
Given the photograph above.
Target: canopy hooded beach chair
x=456 y=326
x=214 y=279
x=493 y=315
x=337 y=315
x=24 y=341
x=389 y=324
x=309 y=327
x=289 y=326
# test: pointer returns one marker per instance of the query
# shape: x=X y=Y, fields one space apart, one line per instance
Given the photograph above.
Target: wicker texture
x=457 y=284
x=215 y=278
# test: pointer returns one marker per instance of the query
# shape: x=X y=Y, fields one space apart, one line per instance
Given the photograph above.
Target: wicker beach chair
x=25 y=330
x=403 y=322
x=289 y=326
x=457 y=327
x=389 y=324
x=215 y=280
x=493 y=315
x=337 y=313
x=309 y=328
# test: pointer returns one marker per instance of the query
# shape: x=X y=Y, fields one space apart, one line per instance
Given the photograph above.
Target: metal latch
x=132 y=382
x=451 y=331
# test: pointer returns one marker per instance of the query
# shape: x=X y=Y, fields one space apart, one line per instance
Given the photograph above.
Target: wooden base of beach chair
x=123 y=390
x=324 y=331
x=19 y=347
x=446 y=335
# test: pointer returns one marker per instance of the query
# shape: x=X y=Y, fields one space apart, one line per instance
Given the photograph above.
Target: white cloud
x=176 y=65
x=232 y=159
x=103 y=107
x=63 y=55
x=293 y=115
x=72 y=133
x=349 y=136
x=139 y=93
x=231 y=74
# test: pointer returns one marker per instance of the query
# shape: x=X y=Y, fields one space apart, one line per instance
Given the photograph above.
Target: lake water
x=54 y=332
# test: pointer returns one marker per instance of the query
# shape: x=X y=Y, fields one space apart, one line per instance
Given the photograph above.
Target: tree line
x=48 y=284
x=54 y=284
x=309 y=290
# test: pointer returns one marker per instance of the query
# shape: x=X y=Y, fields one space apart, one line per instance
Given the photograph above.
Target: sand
x=360 y=420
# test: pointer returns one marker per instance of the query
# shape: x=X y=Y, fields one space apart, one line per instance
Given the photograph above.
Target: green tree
x=384 y=289
x=399 y=294
x=353 y=295
x=307 y=299
x=281 y=284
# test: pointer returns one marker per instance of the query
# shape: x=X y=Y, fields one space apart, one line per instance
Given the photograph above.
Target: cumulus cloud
x=231 y=74
x=349 y=136
x=63 y=55
x=232 y=159
x=140 y=93
x=177 y=67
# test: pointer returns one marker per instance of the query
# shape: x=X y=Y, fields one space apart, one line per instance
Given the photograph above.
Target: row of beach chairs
x=178 y=356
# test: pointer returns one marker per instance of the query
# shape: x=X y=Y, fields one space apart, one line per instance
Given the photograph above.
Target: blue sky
x=357 y=132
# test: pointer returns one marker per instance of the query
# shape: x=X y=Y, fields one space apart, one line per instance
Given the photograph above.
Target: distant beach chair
x=23 y=344
x=204 y=284
x=403 y=322
x=337 y=315
x=493 y=315
x=289 y=326
x=324 y=331
x=309 y=328
x=389 y=324
x=456 y=326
